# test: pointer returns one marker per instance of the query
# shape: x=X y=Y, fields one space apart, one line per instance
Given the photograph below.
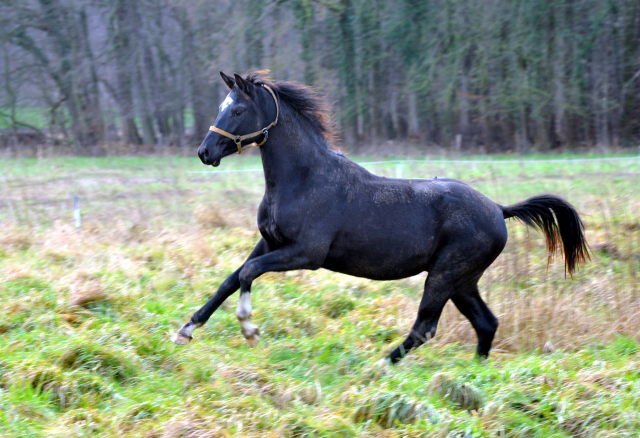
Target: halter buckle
x=266 y=134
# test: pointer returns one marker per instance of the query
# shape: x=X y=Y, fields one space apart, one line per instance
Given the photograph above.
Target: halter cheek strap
x=238 y=139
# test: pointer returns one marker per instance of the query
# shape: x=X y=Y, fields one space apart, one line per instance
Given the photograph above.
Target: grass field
x=86 y=314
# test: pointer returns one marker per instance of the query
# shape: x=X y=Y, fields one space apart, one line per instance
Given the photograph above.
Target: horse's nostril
x=206 y=154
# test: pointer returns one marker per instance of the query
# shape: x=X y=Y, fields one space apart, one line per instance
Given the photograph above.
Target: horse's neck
x=292 y=155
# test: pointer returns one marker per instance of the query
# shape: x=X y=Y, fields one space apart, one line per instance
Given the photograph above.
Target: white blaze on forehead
x=228 y=101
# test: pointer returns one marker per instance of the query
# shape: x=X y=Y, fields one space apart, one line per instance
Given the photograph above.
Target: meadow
x=86 y=313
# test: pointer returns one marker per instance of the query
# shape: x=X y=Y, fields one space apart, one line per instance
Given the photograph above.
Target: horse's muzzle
x=207 y=157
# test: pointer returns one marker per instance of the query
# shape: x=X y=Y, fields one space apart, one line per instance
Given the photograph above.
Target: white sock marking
x=187 y=330
x=244 y=306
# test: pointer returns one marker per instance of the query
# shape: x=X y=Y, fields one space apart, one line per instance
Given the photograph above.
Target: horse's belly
x=380 y=261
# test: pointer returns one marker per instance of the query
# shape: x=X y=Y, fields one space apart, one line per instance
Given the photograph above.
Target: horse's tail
x=559 y=222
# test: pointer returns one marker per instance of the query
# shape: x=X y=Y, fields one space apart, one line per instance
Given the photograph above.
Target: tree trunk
x=194 y=67
x=347 y=72
x=122 y=28
x=414 y=124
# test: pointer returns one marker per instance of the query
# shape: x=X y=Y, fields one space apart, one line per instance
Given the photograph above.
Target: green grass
x=157 y=240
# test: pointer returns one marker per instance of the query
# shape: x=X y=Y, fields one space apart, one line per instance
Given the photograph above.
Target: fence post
x=398 y=170
x=458 y=144
x=76 y=211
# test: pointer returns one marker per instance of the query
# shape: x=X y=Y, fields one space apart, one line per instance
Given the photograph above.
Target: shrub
x=94 y=358
x=388 y=408
x=209 y=216
x=462 y=394
x=337 y=304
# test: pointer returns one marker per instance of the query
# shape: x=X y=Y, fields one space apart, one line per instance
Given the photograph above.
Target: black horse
x=321 y=210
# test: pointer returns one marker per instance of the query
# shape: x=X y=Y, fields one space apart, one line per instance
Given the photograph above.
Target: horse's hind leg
x=471 y=305
x=437 y=290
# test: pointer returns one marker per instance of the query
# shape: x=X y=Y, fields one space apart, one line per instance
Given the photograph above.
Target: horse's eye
x=237 y=112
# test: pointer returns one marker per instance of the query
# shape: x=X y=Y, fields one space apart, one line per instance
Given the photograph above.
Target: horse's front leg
x=226 y=289
x=288 y=258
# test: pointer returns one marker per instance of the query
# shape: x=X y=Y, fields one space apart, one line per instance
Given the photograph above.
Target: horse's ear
x=243 y=85
x=227 y=80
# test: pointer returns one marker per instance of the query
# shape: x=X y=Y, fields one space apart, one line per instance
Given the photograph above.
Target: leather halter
x=265 y=131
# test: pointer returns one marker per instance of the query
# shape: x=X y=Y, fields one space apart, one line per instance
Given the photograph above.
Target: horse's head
x=245 y=114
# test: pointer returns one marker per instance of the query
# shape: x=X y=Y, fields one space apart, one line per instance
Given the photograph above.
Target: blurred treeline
x=481 y=75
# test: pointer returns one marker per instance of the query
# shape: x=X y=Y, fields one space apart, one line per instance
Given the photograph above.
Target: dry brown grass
x=87 y=293
x=15 y=239
x=209 y=216
x=191 y=429
x=202 y=250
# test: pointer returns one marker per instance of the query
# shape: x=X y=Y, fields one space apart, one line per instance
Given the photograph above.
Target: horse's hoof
x=251 y=332
x=253 y=339
x=181 y=339
x=183 y=336
x=382 y=367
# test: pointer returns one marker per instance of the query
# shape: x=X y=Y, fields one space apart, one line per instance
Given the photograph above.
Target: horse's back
x=393 y=228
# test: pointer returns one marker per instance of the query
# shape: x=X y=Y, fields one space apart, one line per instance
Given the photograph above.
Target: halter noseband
x=265 y=131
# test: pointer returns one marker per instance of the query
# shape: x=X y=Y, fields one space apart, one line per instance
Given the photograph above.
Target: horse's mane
x=306 y=101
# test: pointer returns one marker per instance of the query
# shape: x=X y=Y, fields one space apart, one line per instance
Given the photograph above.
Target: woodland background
x=476 y=76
